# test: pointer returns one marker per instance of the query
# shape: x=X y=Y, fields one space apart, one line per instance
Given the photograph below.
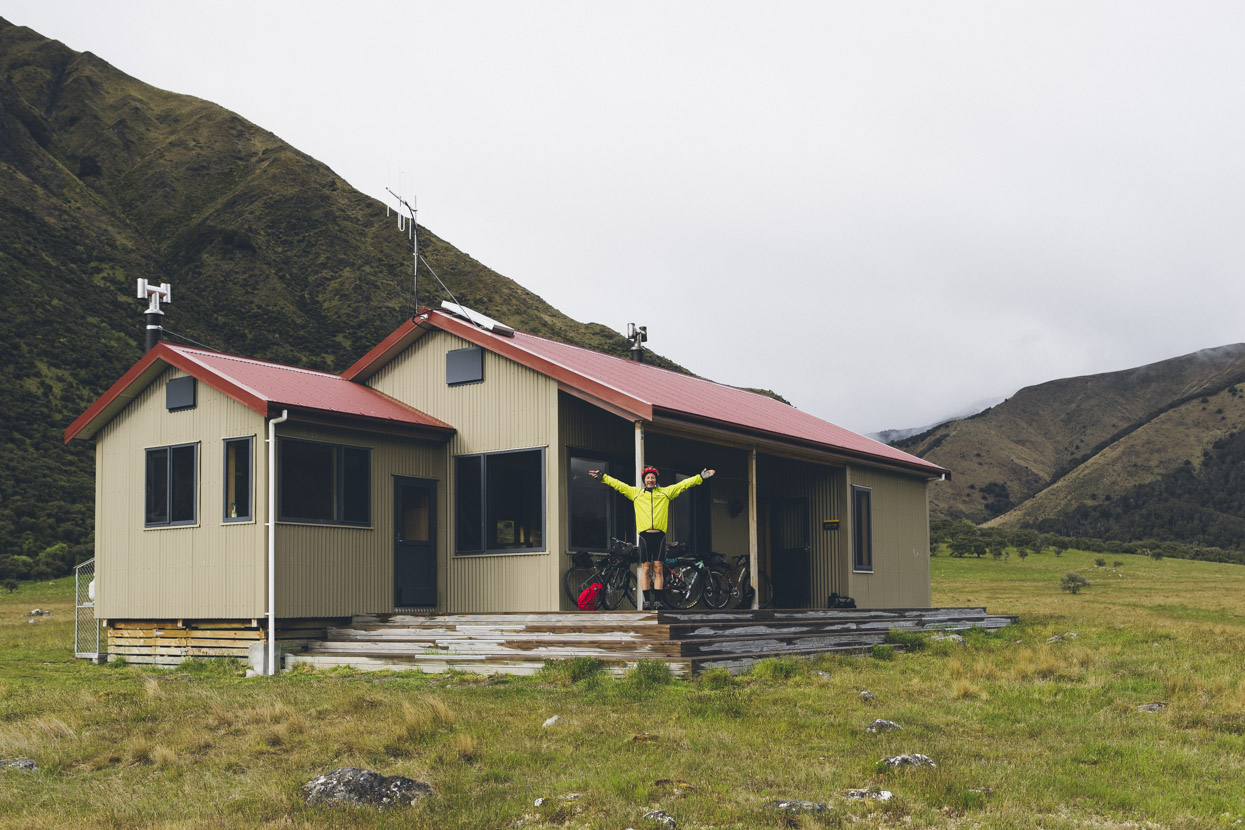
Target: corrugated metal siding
x=900 y=577
x=212 y=569
x=326 y=571
x=512 y=408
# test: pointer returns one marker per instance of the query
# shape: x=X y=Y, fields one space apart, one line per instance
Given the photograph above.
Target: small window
x=238 y=463
x=862 y=529
x=171 y=486
x=323 y=483
x=500 y=502
x=464 y=366
x=179 y=394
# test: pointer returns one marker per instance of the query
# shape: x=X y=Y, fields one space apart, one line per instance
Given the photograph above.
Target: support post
x=753 y=544
x=639 y=480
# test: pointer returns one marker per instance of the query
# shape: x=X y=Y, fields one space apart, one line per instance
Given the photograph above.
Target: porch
x=690 y=642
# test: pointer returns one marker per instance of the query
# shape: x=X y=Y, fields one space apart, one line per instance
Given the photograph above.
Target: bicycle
x=611 y=570
x=688 y=579
x=738 y=585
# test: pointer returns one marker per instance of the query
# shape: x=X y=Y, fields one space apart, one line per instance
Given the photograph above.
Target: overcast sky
x=884 y=211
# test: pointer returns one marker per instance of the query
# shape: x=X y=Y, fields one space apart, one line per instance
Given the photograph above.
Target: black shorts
x=652 y=545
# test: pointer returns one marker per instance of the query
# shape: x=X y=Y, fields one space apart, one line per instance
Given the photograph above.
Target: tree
x=1073 y=582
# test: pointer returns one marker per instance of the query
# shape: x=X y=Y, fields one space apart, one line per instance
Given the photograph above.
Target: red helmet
x=648 y=470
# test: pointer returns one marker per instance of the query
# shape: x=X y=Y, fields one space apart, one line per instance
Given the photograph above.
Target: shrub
x=882 y=652
x=1100 y=562
x=1073 y=583
x=777 y=668
x=649 y=674
x=566 y=672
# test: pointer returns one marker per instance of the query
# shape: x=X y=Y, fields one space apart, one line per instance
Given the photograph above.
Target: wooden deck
x=689 y=641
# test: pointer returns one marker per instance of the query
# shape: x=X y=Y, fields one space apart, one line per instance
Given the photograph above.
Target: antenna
x=408 y=226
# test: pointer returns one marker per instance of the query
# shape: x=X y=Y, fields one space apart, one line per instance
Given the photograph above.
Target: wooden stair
x=689 y=641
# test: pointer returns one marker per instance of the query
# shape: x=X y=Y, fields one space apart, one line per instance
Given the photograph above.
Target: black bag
x=837 y=601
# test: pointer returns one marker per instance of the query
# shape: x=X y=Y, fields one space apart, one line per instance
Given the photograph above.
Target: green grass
x=1025 y=733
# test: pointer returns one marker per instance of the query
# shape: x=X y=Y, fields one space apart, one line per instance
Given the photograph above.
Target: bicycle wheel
x=717 y=590
x=683 y=589
x=576 y=580
x=619 y=587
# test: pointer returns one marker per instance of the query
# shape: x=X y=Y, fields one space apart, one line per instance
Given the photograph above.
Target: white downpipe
x=272 y=540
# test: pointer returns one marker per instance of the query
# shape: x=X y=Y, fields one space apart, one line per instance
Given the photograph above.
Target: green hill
x=1081 y=456
x=104 y=179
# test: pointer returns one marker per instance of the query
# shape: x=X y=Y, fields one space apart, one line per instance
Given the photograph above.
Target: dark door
x=791 y=572
x=415 y=542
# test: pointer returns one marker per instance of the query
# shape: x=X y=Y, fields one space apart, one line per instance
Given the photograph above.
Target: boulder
x=661 y=817
x=870 y=794
x=881 y=725
x=364 y=788
x=23 y=764
x=1152 y=707
x=552 y=721
x=868 y=696
x=914 y=759
x=793 y=806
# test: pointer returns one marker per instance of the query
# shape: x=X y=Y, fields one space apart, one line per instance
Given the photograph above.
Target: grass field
x=1025 y=733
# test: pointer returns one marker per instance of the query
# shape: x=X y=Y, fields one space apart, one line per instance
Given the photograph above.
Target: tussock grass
x=1025 y=733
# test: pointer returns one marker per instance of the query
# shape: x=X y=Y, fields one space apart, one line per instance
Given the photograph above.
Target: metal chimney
x=153 y=294
x=637 y=335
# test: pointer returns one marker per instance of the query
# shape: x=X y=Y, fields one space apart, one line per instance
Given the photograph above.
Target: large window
x=499 y=502
x=862 y=529
x=238 y=479
x=323 y=483
x=172 y=485
x=593 y=507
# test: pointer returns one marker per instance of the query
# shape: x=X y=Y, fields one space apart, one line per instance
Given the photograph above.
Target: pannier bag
x=837 y=601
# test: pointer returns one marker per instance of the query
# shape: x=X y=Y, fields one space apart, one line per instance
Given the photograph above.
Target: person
x=652 y=515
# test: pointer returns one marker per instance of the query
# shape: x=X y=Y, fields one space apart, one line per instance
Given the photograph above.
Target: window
x=594 y=516
x=172 y=481
x=499 y=502
x=238 y=479
x=862 y=529
x=323 y=483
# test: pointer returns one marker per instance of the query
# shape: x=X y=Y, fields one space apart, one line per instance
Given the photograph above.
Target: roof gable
x=647 y=392
x=262 y=387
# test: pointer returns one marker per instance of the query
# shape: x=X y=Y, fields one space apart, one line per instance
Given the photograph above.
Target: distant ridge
x=893 y=436
x=1053 y=455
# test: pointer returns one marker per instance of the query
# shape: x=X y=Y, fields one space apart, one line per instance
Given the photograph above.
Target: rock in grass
x=552 y=721
x=914 y=759
x=948 y=638
x=23 y=764
x=1152 y=707
x=661 y=817
x=868 y=696
x=363 y=788
x=881 y=725
x=793 y=806
x=870 y=794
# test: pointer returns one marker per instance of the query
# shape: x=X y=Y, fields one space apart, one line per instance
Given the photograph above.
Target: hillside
x=104 y=179
x=1071 y=448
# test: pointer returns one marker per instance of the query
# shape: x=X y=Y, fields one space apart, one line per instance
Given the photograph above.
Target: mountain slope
x=104 y=179
x=1042 y=434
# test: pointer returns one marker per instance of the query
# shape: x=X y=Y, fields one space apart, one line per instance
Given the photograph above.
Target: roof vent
x=475 y=317
x=637 y=335
x=153 y=293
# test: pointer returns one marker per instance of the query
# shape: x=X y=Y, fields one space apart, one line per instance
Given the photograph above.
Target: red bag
x=590 y=597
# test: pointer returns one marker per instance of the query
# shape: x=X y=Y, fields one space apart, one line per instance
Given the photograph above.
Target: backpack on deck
x=590 y=597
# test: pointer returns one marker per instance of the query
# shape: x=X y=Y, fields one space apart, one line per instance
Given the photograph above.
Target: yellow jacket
x=652 y=507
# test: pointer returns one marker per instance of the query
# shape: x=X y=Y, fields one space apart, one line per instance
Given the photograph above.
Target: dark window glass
x=589 y=503
x=238 y=479
x=515 y=500
x=356 y=485
x=323 y=483
x=157 y=487
x=468 y=503
x=171 y=490
x=862 y=525
x=500 y=502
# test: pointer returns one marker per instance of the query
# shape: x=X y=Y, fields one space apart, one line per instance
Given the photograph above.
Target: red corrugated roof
x=647 y=392
x=263 y=387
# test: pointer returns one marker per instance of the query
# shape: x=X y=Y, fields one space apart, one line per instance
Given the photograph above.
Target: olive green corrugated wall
x=900 y=577
x=513 y=408
x=211 y=569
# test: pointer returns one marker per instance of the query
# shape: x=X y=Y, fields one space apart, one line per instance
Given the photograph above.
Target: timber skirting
x=170 y=642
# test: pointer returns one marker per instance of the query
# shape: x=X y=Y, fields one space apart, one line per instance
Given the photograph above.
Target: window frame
x=169 y=480
x=338 y=484
x=249 y=440
x=483 y=458
x=862 y=535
